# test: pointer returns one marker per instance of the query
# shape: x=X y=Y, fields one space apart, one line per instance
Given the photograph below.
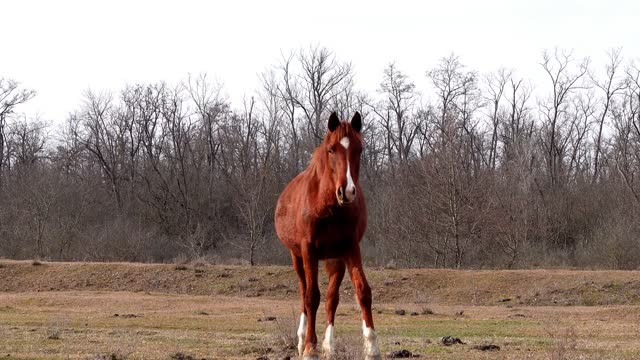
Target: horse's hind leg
x=302 y=326
x=335 y=272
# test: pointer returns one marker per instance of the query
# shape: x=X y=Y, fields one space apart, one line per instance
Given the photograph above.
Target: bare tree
x=610 y=87
x=210 y=108
x=104 y=139
x=582 y=114
x=564 y=82
x=496 y=84
x=288 y=93
x=320 y=81
x=627 y=132
x=396 y=113
x=450 y=81
x=518 y=121
x=11 y=95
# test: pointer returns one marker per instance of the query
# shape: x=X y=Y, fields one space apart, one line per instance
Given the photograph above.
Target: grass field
x=134 y=311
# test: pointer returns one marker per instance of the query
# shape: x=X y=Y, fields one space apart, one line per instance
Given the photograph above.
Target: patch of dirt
x=401 y=354
x=267 y=318
x=486 y=347
x=126 y=316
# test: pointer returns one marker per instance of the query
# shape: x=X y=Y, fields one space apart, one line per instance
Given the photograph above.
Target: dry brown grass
x=169 y=324
x=219 y=326
x=565 y=344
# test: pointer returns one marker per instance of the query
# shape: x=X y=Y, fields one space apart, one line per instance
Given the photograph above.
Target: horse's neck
x=320 y=189
x=316 y=168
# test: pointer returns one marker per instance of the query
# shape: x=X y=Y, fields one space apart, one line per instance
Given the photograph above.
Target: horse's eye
x=330 y=150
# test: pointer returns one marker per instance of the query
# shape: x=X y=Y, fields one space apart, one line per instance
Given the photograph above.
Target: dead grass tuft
x=181 y=259
x=199 y=263
x=348 y=347
x=427 y=311
x=566 y=344
x=54 y=331
x=285 y=331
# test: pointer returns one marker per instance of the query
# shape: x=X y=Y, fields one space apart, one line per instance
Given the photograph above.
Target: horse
x=322 y=215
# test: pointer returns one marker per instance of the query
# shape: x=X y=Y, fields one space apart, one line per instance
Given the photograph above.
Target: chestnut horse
x=321 y=215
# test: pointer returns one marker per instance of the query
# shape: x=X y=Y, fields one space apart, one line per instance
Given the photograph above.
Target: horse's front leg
x=363 y=293
x=311 y=303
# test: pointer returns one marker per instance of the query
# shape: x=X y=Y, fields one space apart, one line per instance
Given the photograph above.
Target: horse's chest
x=334 y=237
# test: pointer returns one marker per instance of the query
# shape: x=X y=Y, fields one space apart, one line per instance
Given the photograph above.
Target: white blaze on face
x=370 y=341
x=302 y=330
x=350 y=191
x=345 y=142
x=328 y=344
x=351 y=187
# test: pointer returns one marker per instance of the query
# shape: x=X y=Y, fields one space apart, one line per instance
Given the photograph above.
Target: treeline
x=475 y=171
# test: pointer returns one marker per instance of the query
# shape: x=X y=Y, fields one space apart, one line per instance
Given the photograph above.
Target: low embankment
x=468 y=287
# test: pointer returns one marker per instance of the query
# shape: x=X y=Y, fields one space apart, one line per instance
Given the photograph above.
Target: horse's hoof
x=373 y=357
x=328 y=352
x=310 y=357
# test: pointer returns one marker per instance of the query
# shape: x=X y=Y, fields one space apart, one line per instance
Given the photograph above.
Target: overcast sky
x=61 y=48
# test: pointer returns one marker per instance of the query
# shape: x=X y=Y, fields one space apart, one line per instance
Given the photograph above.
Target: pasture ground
x=135 y=311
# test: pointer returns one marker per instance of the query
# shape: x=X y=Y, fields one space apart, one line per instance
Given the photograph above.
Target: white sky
x=61 y=48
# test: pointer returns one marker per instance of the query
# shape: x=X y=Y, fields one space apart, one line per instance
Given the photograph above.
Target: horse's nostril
x=353 y=191
x=340 y=194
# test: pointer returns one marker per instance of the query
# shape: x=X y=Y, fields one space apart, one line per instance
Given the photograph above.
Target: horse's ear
x=334 y=122
x=356 y=122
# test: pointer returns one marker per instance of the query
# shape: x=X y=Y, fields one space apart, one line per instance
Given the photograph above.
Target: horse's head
x=343 y=146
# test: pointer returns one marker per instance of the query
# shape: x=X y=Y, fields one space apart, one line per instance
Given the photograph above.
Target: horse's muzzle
x=346 y=197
